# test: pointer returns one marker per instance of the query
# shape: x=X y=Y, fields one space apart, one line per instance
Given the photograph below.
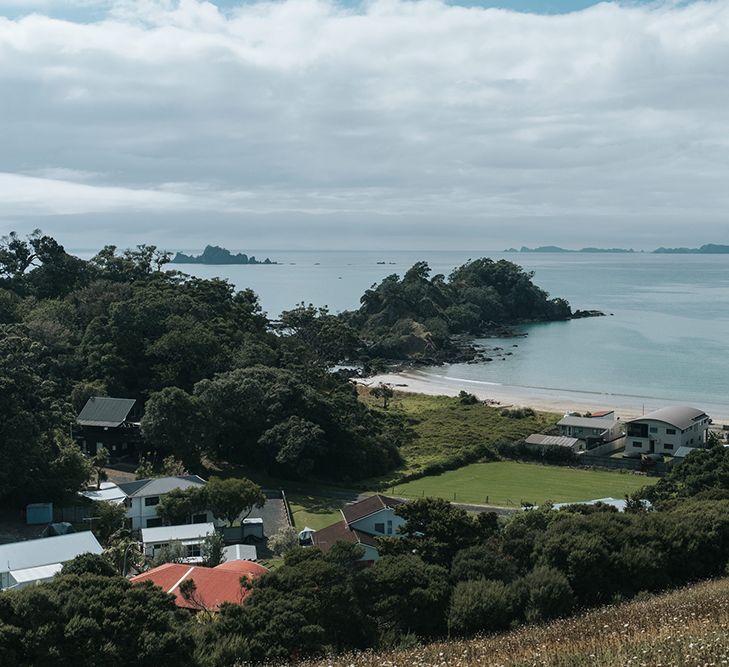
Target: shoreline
x=542 y=399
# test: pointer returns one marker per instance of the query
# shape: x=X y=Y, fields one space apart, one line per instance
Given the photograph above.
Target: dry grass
x=686 y=628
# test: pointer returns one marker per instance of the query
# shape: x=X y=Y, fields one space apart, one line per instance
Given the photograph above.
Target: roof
x=327 y=537
x=617 y=503
x=109 y=492
x=47 y=550
x=558 y=440
x=240 y=552
x=158 y=486
x=40 y=573
x=213 y=586
x=600 y=414
x=105 y=411
x=680 y=416
x=188 y=531
x=368 y=506
x=586 y=422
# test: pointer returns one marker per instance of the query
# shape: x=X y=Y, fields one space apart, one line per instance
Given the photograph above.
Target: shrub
x=544 y=594
x=480 y=606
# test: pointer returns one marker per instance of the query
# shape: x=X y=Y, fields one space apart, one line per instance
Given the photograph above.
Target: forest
x=217 y=377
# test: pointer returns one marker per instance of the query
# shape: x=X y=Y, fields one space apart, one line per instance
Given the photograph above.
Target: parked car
x=632 y=455
x=654 y=458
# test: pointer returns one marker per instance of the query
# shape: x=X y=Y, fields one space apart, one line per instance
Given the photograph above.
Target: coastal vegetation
x=417 y=315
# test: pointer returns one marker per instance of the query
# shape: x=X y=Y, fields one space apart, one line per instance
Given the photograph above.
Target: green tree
x=89 y=564
x=544 y=594
x=292 y=447
x=231 y=498
x=98 y=464
x=283 y=541
x=383 y=391
x=109 y=519
x=480 y=606
x=178 y=505
x=212 y=550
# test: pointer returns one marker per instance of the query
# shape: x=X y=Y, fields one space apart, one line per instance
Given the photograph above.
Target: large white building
x=596 y=429
x=142 y=496
x=190 y=536
x=34 y=561
x=664 y=431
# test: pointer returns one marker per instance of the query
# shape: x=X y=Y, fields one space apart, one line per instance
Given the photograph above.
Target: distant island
x=706 y=249
x=214 y=254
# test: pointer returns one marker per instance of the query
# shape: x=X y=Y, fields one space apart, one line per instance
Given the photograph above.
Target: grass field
x=314 y=511
x=686 y=628
x=446 y=429
x=508 y=483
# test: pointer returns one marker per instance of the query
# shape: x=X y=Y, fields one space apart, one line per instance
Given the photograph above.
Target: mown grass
x=685 y=628
x=449 y=434
x=313 y=510
x=510 y=483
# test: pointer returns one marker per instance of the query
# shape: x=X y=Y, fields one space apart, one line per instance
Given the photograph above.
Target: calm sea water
x=666 y=340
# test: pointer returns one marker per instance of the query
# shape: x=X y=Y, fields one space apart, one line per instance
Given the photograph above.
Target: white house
x=190 y=535
x=664 y=431
x=35 y=561
x=142 y=496
x=362 y=523
x=596 y=429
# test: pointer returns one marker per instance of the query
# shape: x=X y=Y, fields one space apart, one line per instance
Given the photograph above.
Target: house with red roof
x=362 y=523
x=212 y=585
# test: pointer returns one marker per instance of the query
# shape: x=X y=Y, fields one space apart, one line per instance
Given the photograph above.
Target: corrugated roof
x=240 y=552
x=213 y=586
x=586 y=422
x=47 y=550
x=368 y=506
x=683 y=452
x=105 y=411
x=188 y=531
x=109 y=492
x=40 y=573
x=158 y=486
x=558 y=440
x=680 y=416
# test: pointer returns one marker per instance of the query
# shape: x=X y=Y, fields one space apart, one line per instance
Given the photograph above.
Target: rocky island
x=214 y=254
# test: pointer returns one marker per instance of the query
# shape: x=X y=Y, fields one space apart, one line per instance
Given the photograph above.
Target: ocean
x=665 y=338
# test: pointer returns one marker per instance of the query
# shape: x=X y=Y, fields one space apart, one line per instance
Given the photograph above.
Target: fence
x=659 y=469
x=73 y=513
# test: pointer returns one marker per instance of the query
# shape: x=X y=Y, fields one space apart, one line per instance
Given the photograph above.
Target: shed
x=36 y=514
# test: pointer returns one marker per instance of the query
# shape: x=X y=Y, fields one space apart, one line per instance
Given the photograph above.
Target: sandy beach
x=549 y=400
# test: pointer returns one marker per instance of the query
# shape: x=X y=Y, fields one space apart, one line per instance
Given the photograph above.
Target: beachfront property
x=595 y=429
x=666 y=430
x=539 y=441
x=142 y=496
x=362 y=523
x=111 y=423
x=34 y=561
x=190 y=536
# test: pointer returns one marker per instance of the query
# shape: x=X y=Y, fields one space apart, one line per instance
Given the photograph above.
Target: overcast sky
x=312 y=124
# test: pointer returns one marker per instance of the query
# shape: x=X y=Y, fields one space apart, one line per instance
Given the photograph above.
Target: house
x=213 y=585
x=618 y=503
x=664 y=431
x=112 y=423
x=190 y=535
x=598 y=428
x=540 y=441
x=362 y=523
x=142 y=496
x=34 y=561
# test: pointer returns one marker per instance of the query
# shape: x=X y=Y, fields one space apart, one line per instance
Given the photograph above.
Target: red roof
x=368 y=506
x=213 y=586
x=327 y=537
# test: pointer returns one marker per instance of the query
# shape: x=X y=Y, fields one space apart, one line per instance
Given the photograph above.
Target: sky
x=379 y=124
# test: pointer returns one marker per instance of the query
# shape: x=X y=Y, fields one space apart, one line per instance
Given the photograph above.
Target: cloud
x=412 y=113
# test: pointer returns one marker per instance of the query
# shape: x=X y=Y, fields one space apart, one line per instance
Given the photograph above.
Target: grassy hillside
x=685 y=628
x=449 y=433
x=509 y=483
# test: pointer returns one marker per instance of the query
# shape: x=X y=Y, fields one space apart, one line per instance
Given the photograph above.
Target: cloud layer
x=604 y=124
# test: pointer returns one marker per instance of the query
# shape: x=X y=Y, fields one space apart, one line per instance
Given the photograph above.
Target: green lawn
x=314 y=511
x=508 y=483
x=445 y=430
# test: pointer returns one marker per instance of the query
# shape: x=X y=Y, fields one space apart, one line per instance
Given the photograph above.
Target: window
x=193 y=550
x=380 y=528
x=151 y=501
x=670 y=431
x=389 y=526
x=154 y=523
x=667 y=446
x=637 y=444
x=654 y=429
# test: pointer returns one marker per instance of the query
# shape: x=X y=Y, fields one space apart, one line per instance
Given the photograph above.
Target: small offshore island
x=214 y=254
x=706 y=249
